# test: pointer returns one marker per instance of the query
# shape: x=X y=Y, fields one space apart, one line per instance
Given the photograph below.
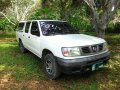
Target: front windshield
x=56 y=28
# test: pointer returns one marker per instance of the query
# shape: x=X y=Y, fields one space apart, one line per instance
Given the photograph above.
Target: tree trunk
x=99 y=25
x=100 y=32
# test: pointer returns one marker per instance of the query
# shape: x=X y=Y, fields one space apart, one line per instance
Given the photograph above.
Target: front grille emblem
x=94 y=48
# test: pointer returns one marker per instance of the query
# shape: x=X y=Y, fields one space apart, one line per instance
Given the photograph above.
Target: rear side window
x=20 y=26
x=27 y=27
x=35 y=29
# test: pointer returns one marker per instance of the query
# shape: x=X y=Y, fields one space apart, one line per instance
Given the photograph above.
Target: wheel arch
x=46 y=51
x=19 y=39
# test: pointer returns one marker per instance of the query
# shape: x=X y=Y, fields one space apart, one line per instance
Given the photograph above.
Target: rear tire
x=22 y=48
x=51 y=67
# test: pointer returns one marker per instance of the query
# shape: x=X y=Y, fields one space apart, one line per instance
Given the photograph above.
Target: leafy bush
x=113 y=28
x=44 y=13
x=110 y=27
x=5 y=25
x=81 y=23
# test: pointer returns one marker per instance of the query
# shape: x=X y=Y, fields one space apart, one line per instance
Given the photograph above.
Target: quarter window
x=35 y=29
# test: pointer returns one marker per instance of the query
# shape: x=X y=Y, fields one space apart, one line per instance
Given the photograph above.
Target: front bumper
x=78 y=64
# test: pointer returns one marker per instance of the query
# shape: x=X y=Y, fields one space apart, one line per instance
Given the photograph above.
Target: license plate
x=97 y=66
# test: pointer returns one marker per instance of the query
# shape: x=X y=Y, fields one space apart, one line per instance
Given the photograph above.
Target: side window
x=20 y=26
x=35 y=29
x=27 y=27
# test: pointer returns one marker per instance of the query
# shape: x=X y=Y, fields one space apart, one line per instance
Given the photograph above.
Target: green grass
x=24 y=71
x=22 y=66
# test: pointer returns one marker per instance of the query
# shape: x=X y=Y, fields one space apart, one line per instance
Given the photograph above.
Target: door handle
x=28 y=36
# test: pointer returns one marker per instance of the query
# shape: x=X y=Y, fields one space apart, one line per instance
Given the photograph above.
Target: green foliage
x=44 y=13
x=110 y=27
x=113 y=28
x=5 y=25
x=80 y=22
x=118 y=13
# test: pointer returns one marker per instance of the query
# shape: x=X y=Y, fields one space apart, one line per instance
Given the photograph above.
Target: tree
x=102 y=11
x=61 y=7
x=4 y=4
x=19 y=10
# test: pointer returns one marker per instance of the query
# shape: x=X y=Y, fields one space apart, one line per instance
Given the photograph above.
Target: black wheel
x=50 y=66
x=22 y=48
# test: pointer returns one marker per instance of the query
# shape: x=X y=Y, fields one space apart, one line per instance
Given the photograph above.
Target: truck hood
x=72 y=40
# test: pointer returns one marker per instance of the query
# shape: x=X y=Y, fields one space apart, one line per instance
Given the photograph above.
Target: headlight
x=71 y=52
x=105 y=47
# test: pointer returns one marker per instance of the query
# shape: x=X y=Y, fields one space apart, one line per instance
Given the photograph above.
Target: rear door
x=26 y=35
x=35 y=38
x=19 y=30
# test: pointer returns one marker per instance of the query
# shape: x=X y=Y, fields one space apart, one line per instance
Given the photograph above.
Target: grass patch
x=22 y=66
x=24 y=71
x=7 y=35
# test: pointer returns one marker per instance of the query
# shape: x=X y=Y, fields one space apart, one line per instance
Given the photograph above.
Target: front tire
x=51 y=67
x=22 y=48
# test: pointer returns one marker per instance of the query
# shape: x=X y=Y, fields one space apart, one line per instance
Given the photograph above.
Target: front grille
x=85 y=50
x=100 y=47
x=92 y=49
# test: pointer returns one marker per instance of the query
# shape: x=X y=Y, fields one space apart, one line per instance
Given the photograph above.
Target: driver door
x=34 y=38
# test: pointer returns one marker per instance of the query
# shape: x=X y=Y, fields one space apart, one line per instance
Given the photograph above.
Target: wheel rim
x=49 y=66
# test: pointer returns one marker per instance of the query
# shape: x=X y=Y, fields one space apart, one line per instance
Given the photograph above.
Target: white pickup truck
x=61 y=47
